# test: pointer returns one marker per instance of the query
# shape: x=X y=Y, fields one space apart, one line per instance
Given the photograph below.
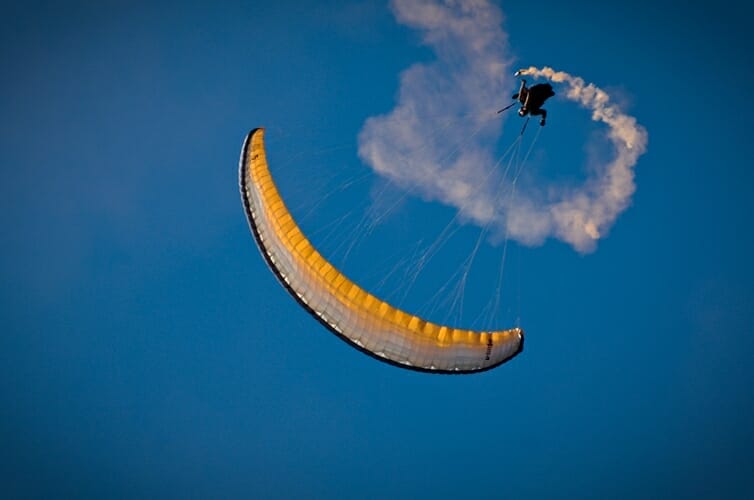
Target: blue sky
x=148 y=351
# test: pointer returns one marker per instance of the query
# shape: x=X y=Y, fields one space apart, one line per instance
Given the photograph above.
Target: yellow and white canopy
x=358 y=317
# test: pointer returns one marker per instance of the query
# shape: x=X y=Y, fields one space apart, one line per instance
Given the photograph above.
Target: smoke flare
x=459 y=88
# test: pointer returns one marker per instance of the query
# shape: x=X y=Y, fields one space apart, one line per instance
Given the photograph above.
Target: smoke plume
x=452 y=96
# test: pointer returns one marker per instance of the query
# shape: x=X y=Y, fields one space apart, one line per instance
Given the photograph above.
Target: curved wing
x=358 y=317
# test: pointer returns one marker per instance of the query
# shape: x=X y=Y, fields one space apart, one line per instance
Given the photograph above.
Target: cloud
x=451 y=97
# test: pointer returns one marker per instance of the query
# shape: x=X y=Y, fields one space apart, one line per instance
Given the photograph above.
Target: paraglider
x=532 y=99
x=353 y=314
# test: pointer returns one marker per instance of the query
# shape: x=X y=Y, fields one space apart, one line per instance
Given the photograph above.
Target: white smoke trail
x=580 y=217
x=460 y=88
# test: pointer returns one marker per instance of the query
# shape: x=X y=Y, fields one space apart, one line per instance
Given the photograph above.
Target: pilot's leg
x=540 y=112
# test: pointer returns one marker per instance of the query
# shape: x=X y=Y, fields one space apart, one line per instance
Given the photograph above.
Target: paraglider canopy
x=355 y=315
